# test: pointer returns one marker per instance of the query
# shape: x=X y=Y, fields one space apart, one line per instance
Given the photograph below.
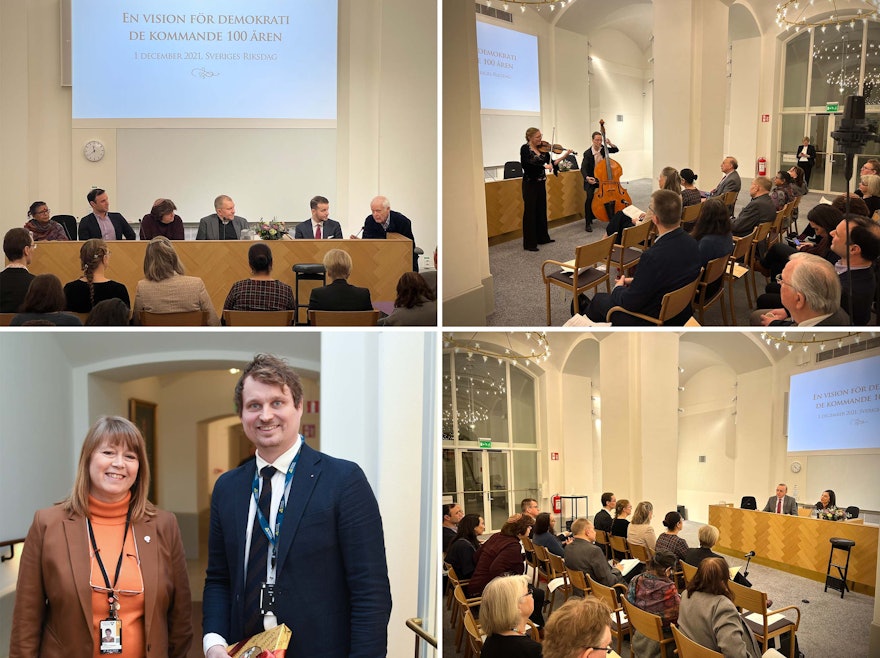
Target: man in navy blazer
x=330 y=228
x=672 y=261
x=90 y=227
x=330 y=575
x=383 y=220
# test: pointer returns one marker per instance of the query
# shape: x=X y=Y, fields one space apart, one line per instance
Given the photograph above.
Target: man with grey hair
x=224 y=224
x=810 y=291
x=731 y=181
x=759 y=209
x=382 y=220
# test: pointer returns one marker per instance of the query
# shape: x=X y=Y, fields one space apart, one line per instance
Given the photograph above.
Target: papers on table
x=733 y=572
x=625 y=566
x=583 y=321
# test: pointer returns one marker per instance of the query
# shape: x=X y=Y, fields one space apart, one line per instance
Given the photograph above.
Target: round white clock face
x=93 y=150
x=795 y=467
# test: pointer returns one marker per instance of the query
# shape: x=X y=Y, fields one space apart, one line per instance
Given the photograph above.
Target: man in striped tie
x=295 y=538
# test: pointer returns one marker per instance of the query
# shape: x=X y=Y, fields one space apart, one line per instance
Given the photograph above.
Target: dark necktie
x=779 y=505
x=257 y=559
x=318 y=232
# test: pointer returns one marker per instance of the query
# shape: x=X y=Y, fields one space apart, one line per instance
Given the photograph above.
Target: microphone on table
x=748 y=557
x=358 y=234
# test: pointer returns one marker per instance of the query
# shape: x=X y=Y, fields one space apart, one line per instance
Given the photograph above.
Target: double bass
x=610 y=196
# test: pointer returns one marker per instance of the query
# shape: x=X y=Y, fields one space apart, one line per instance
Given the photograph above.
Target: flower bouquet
x=565 y=165
x=832 y=514
x=273 y=230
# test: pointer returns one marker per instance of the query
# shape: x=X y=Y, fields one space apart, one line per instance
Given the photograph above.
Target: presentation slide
x=508 y=64
x=835 y=408
x=262 y=59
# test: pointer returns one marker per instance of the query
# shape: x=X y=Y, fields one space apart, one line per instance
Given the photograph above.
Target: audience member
x=544 y=534
x=672 y=261
x=856 y=205
x=45 y=301
x=224 y=224
x=93 y=286
x=430 y=276
x=858 y=283
x=382 y=220
x=161 y=220
x=668 y=179
x=669 y=540
x=109 y=313
x=504 y=612
x=757 y=211
x=602 y=520
x=462 y=550
x=416 y=304
x=708 y=616
x=580 y=628
x=452 y=514
x=101 y=223
x=583 y=555
x=712 y=232
x=810 y=293
x=869 y=186
x=782 y=192
x=639 y=531
x=339 y=294
x=620 y=524
x=166 y=288
x=320 y=226
x=42 y=226
x=822 y=220
x=654 y=591
x=708 y=536
x=260 y=292
x=529 y=506
x=798 y=182
x=690 y=195
x=18 y=245
x=731 y=181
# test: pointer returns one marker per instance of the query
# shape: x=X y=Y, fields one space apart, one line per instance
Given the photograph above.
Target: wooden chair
x=687 y=648
x=688 y=570
x=640 y=552
x=6 y=319
x=620 y=625
x=717 y=197
x=793 y=217
x=603 y=542
x=649 y=625
x=689 y=216
x=674 y=302
x=714 y=271
x=729 y=200
x=558 y=570
x=633 y=244
x=755 y=601
x=762 y=232
x=475 y=637
x=465 y=604
x=736 y=270
x=181 y=319
x=777 y=226
x=531 y=559
x=542 y=555
x=258 y=318
x=592 y=263
x=453 y=580
x=619 y=546
x=343 y=318
x=578 y=580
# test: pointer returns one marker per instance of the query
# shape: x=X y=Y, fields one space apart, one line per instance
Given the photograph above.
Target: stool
x=832 y=581
x=307 y=272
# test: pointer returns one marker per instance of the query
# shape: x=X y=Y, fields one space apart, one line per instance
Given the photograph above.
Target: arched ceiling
x=631 y=17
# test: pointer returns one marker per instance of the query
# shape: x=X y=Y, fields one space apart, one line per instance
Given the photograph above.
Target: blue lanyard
x=279 y=516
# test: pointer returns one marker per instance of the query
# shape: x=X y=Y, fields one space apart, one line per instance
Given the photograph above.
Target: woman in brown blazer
x=65 y=601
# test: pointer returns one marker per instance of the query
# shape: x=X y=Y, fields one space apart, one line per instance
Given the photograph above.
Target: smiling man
x=296 y=539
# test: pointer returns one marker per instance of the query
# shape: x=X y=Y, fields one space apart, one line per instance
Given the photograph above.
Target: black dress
x=534 y=193
x=77 y=294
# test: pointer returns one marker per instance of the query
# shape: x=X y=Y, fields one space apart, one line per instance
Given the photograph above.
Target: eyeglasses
x=607 y=649
x=44 y=211
x=135 y=563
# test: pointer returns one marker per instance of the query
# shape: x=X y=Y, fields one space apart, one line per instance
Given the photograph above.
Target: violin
x=547 y=147
x=610 y=196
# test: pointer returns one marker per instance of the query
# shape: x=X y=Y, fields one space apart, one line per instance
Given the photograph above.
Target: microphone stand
x=749 y=556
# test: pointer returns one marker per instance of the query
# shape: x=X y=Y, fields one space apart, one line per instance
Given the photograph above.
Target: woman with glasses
x=42 y=226
x=93 y=286
x=104 y=558
x=504 y=615
x=578 y=629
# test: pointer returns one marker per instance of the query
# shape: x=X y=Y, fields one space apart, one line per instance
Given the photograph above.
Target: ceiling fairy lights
x=538 y=5
x=536 y=347
x=793 y=14
x=804 y=341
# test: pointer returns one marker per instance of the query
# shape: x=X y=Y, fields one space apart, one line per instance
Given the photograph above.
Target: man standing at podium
x=781 y=503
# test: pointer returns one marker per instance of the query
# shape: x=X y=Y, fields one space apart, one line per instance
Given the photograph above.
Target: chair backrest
x=688 y=570
x=675 y=301
x=730 y=197
x=542 y=555
x=852 y=512
x=762 y=230
x=578 y=580
x=748 y=502
x=557 y=566
x=687 y=648
x=343 y=318
x=749 y=598
x=645 y=623
x=6 y=319
x=473 y=630
x=714 y=269
x=181 y=319
x=69 y=224
x=610 y=595
x=595 y=252
x=619 y=545
x=689 y=215
x=637 y=235
x=741 y=247
x=640 y=552
x=513 y=169
x=258 y=318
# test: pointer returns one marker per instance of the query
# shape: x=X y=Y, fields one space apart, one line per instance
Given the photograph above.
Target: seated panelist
x=102 y=223
x=224 y=224
x=319 y=226
x=339 y=295
x=382 y=220
x=162 y=220
x=781 y=503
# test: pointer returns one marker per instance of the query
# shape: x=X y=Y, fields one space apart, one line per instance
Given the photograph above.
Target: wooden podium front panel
x=797 y=544
x=376 y=264
x=504 y=204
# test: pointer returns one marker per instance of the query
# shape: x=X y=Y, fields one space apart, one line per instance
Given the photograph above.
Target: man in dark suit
x=594 y=155
x=603 y=518
x=224 y=224
x=780 y=503
x=319 y=227
x=382 y=220
x=583 y=555
x=101 y=223
x=672 y=262
x=318 y=559
x=731 y=181
x=809 y=288
x=760 y=209
x=339 y=295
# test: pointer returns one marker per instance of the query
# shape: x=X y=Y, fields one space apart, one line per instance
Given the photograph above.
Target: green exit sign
x=832 y=107
x=485 y=443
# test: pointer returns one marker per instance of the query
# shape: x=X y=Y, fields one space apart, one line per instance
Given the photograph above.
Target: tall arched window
x=822 y=68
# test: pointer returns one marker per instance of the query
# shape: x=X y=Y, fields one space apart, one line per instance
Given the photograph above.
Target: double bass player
x=595 y=154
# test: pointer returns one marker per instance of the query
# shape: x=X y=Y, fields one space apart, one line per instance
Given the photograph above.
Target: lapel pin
x=147 y=538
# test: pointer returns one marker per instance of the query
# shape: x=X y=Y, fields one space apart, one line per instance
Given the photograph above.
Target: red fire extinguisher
x=557 y=504
x=762 y=166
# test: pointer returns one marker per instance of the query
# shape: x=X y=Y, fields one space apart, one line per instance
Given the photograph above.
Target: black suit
x=807 y=165
x=397 y=223
x=340 y=296
x=330 y=229
x=672 y=262
x=588 y=168
x=89 y=228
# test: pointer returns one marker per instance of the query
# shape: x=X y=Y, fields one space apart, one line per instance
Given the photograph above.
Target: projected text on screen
x=508 y=65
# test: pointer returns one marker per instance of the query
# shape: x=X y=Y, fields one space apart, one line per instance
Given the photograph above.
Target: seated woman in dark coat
x=461 y=554
x=708 y=536
x=260 y=292
x=44 y=302
x=339 y=295
x=543 y=534
x=161 y=220
x=93 y=286
x=416 y=303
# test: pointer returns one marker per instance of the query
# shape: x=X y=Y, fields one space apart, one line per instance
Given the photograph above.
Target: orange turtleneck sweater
x=108 y=524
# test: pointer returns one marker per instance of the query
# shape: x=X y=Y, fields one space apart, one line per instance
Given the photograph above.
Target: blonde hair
x=530 y=133
x=115 y=431
x=499 y=609
x=642 y=513
x=160 y=260
x=579 y=525
x=872 y=182
x=338 y=264
x=708 y=536
x=577 y=624
x=673 y=179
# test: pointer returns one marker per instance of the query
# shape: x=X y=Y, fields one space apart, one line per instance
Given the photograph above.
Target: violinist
x=595 y=154
x=536 y=162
